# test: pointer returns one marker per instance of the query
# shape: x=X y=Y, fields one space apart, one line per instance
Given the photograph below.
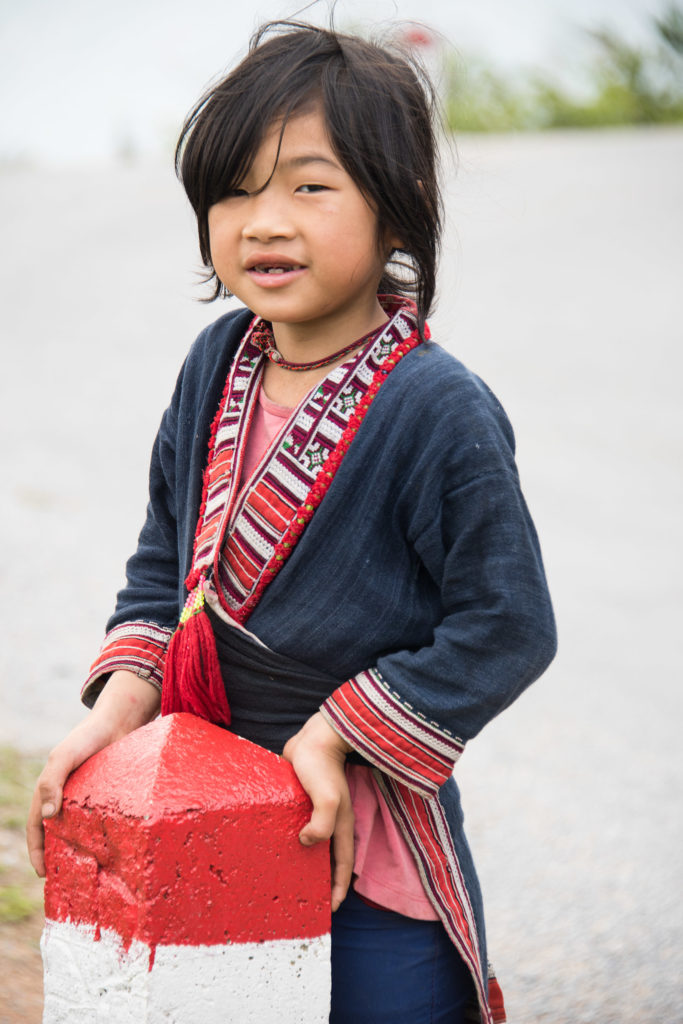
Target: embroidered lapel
x=247 y=537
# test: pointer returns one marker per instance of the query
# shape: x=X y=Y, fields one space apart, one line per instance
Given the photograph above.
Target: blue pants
x=390 y=969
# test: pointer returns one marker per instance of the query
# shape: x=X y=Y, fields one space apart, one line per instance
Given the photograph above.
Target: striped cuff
x=138 y=647
x=390 y=734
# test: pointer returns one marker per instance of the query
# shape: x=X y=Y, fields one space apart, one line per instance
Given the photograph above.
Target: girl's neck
x=288 y=388
x=310 y=342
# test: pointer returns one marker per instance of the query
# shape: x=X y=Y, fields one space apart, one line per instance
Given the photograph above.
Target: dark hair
x=379 y=109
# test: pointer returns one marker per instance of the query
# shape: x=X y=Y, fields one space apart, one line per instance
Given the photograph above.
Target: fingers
x=333 y=819
x=50 y=785
x=46 y=803
x=125 y=703
x=48 y=793
x=35 y=839
x=322 y=822
x=318 y=754
x=343 y=848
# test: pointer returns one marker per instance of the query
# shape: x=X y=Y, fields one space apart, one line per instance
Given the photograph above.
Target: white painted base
x=286 y=981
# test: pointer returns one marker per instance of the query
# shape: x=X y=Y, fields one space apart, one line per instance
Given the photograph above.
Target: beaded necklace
x=263 y=338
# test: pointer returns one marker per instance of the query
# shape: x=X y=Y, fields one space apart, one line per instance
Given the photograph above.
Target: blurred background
x=560 y=285
x=96 y=81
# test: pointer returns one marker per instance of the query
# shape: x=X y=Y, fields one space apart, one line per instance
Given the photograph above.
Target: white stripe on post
x=177 y=889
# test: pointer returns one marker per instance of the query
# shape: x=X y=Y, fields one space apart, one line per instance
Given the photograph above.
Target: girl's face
x=303 y=253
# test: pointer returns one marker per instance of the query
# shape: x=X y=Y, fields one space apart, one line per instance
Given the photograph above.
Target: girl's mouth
x=276 y=268
x=275 y=274
x=262 y=268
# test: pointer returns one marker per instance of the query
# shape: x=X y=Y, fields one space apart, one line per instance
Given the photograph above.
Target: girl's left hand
x=318 y=754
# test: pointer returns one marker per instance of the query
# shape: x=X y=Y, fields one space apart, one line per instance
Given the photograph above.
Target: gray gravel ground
x=561 y=286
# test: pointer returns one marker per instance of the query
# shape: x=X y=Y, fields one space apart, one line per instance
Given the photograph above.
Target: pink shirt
x=384 y=868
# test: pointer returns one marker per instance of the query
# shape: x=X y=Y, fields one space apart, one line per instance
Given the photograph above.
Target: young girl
x=334 y=504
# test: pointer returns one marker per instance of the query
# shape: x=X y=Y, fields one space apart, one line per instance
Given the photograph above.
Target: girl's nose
x=267 y=218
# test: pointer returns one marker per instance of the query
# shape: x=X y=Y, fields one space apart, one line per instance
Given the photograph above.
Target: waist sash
x=270 y=694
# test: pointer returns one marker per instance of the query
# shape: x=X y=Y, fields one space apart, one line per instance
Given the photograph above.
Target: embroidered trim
x=390 y=734
x=265 y=521
x=193 y=578
x=413 y=757
x=217 y=476
x=425 y=828
x=323 y=480
x=139 y=647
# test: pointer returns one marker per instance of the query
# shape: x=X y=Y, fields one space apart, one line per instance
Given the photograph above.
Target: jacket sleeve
x=412 y=712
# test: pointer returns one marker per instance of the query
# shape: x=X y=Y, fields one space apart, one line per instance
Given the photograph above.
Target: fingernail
x=47 y=810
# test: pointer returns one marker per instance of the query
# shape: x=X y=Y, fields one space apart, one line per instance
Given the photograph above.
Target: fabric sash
x=271 y=695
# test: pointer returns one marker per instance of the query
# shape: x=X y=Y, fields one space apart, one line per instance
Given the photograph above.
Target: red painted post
x=177 y=889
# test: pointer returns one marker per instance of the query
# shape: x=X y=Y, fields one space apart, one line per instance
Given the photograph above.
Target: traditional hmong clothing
x=383 y=542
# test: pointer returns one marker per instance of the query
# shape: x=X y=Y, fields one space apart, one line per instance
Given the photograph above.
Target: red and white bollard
x=177 y=889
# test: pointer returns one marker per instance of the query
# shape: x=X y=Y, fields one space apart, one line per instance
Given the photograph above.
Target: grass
x=18 y=774
x=16 y=904
x=20 y=890
x=21 y=895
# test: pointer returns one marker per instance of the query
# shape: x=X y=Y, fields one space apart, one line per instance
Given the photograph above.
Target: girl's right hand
x=317 y=754
x=125 y=703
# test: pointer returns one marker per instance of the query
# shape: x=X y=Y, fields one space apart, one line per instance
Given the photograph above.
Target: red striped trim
x=269 y=505
x=304 y=464
x=391 y=734
x=241 y=563
x=204 y=532
x=496 y=1002
x=323 y=480
x=138 y=647
x=426 y=831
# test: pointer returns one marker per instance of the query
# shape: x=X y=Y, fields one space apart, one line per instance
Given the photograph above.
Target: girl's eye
x=235 y=193
x=308 y=189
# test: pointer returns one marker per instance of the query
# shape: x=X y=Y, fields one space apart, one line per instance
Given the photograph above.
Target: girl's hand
x=318 y=754
x=125 y=703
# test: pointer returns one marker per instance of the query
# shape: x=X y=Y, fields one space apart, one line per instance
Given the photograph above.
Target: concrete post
x=177 y=889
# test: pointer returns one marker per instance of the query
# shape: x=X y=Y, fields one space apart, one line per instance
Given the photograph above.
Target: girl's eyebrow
x=308 y=158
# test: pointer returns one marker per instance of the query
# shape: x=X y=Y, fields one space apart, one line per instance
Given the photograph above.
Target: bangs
x=222 y=140
x=378 y=109
x=222 y=134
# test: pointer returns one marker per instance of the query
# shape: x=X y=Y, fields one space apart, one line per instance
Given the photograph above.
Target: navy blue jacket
x=421 y=564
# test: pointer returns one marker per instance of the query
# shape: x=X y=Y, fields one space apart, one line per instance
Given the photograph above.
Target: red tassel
x=496 y=1004
x=192 y=673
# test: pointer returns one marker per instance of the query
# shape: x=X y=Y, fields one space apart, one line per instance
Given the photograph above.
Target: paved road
x=561 y=286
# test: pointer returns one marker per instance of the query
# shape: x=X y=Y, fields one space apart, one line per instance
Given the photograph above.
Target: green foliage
x=670 y=28
x=20 y=891
x=16 y=904
x=480 y=99
x=627 y=85
x=17 y=779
